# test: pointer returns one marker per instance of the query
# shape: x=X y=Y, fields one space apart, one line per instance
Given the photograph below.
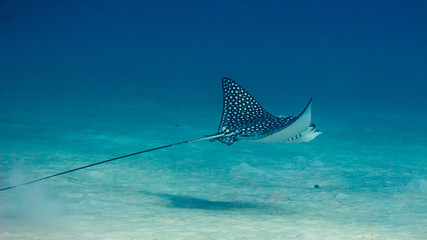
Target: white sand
x=371 y=169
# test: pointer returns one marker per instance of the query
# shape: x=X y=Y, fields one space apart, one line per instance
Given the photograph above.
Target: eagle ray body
x=243 y=118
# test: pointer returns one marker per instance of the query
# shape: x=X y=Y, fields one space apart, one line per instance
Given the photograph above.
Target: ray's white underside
x=302 y=130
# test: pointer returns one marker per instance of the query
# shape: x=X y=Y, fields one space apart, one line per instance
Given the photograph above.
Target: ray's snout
x=306 y=136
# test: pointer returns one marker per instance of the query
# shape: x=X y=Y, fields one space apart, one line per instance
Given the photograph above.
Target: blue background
x=360 y=53
x=86 y=81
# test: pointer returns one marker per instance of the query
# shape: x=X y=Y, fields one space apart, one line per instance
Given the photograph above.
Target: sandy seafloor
x=370 y=165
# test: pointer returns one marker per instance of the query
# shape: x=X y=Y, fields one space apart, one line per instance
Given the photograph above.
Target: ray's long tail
x=209 y=137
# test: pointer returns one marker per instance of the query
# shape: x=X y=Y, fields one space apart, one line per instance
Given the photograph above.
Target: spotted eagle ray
x=243 y=118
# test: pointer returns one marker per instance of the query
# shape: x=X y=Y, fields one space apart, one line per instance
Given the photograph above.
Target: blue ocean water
x=85 y=81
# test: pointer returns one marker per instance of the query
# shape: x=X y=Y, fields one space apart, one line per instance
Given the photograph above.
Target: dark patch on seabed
x=181 y=201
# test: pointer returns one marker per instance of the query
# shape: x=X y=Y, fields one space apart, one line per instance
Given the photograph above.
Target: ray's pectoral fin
x=301 y=129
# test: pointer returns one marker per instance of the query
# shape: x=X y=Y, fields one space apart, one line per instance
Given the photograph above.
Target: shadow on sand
x=178 y=201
